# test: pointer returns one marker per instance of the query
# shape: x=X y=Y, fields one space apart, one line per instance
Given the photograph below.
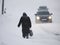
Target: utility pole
x=2 y=6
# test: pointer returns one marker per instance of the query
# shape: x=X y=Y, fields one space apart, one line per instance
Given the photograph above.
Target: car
x=43 y=15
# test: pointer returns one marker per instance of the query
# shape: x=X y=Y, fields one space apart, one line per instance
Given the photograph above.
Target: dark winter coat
x=25 y=21
x=26 y=25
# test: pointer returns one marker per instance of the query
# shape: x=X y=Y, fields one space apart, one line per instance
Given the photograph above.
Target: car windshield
x=43 y=13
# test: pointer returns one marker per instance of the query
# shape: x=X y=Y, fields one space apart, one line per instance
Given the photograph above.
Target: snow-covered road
x=44 y=34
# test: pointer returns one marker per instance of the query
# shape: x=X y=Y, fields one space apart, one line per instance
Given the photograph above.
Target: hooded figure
x=26 y=25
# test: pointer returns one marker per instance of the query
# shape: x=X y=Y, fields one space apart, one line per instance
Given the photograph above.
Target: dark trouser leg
x=27 y=36
x=23 y=34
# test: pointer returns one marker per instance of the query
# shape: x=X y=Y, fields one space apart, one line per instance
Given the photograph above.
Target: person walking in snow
x=26 y=25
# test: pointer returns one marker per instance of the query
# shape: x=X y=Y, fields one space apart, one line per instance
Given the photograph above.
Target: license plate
x=44 y=19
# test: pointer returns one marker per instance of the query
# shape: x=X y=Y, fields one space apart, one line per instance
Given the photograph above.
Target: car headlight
x=38 y=17
x=50 y=17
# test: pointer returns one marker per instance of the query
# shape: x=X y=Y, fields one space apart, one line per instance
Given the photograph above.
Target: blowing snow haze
x=43 y=33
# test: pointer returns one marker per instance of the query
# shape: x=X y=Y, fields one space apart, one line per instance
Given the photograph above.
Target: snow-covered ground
x=44 y=33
